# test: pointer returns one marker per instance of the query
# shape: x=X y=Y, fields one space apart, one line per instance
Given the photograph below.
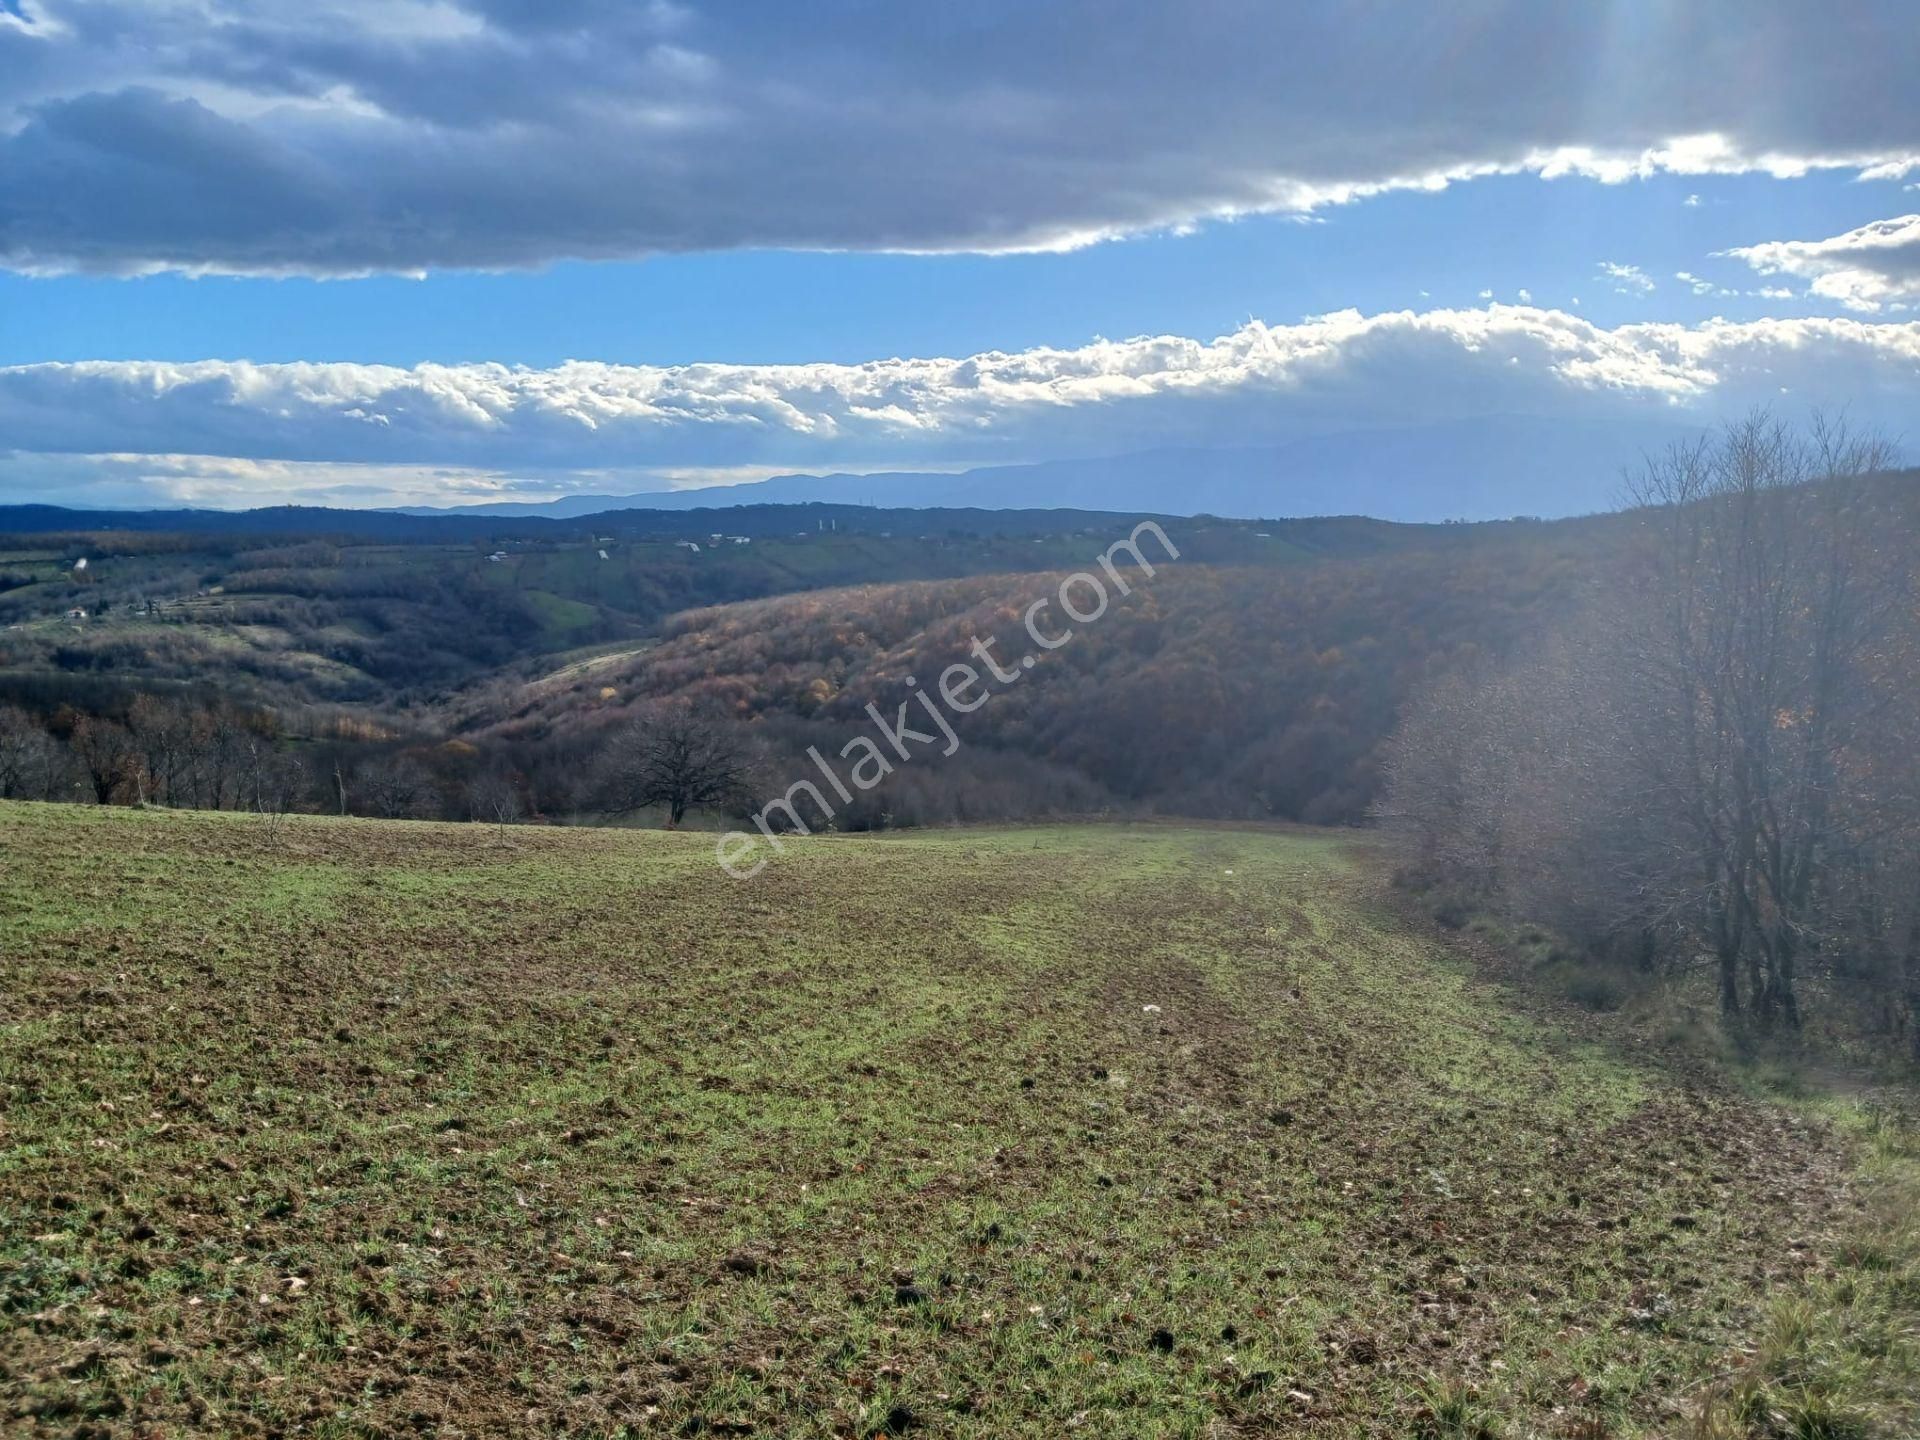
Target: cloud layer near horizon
x=382 y=433
x=350 y=136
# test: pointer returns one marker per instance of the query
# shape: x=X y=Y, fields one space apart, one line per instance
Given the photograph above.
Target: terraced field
x=363 y=1129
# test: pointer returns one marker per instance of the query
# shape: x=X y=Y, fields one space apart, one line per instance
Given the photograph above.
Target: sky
x=379 y=252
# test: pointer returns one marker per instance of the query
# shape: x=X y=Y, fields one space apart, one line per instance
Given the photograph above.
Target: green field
x=361 y=1128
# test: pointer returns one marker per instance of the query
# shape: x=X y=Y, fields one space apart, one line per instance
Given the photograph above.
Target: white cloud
x=1702 y=287
x=228 y=482
x=1875 y=266
x=1627 y=279
x=348 y=136
x=468 y=431
x=1894 y=169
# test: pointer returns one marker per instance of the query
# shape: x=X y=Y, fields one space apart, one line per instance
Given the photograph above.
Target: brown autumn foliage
x=1712 y=766
x=1208 y=690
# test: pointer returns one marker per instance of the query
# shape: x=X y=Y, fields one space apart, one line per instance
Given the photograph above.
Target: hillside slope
x=359 y=1128
x=1209 y=690
x=359 y=620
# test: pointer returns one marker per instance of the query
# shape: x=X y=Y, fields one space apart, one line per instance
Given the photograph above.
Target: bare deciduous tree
x=494 y=798
x=163 y=731
x=1764 y=595
x=30 y=760
x=395 y=787
x=1701 y=763
x=680 y=758
x=110 y=758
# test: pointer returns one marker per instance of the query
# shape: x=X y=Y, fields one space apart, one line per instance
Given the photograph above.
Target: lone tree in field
x=494 y=797
x=678 y=757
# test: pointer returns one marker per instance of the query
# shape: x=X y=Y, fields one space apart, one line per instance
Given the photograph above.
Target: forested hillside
x=1278 y=653
x=367 y=619
x=1210 y=690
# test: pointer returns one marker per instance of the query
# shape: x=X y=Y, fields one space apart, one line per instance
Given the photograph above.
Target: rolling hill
x=233 y=604
x=1277 y=652
x=1259 y=691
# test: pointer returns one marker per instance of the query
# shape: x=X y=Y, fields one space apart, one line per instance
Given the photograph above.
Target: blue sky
x=1504 y=234
x=345 y=250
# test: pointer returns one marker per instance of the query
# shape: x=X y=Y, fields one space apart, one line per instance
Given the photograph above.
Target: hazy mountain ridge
x=1483 y=469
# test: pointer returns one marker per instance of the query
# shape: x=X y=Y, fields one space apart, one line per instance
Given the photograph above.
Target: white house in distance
x=693 y=545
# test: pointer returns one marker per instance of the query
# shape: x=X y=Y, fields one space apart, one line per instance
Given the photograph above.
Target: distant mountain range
x=481 y=523
x=1483 y=469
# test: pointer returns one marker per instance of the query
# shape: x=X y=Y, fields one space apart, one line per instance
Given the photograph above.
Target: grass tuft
x=1451 y=1409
